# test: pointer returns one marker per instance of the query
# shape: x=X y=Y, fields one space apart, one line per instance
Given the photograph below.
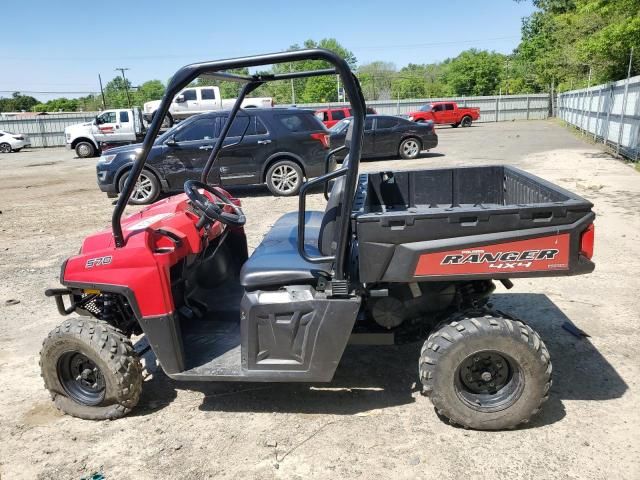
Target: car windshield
x=425 y=108
x=340 y=126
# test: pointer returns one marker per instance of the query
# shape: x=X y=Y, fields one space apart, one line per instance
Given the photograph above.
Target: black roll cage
x=217 y=69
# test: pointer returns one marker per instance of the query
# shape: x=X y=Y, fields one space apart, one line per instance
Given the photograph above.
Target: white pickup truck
x=194 y=100
x=111 y=127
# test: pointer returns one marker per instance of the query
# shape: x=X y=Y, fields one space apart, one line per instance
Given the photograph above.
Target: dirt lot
x=369 y=422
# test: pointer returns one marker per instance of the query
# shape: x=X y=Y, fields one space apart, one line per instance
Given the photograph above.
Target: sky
x=63 y=46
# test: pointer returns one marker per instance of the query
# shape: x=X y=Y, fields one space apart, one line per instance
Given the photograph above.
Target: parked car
x=276 y=146
x=331 y=116
x=111 y=127
x=388 y=136
x=13 y=142
x=194 y=100
x=446 y=113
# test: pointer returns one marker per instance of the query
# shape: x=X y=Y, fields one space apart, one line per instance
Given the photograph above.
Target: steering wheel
x=213 y=211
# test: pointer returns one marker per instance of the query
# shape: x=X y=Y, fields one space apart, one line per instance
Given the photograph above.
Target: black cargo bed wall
x=449 y=188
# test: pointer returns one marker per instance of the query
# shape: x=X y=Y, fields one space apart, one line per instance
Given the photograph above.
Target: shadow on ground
x=374 y=377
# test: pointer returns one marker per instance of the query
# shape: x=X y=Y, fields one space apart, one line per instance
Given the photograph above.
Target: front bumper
x=106 y=182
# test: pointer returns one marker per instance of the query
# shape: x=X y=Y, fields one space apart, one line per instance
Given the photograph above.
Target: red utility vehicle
x=446 y=112
x=331 y=116
x=395 y=256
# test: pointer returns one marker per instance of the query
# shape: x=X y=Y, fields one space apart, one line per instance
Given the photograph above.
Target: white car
x=13 y=142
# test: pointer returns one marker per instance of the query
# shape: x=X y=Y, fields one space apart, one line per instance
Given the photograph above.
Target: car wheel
x=486 y=371
x=85 y=149
x=410 y=148
x=167 y=122
x=466 y=121
x=5 y=148
x=284 y=178
x=146 y=189
x=91 y=370
x=455 y=125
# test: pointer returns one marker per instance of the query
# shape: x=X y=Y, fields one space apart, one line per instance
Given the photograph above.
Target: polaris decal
x=96 y=262
x=534 y=255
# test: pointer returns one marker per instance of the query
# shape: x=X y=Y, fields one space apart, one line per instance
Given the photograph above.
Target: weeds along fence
x=610 y=113
x=48 y=130
x=44 y=130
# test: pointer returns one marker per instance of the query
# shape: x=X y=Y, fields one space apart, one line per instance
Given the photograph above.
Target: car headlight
x=106 y=159
x=410 y=118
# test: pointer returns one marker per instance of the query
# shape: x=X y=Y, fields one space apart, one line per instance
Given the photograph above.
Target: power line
x=19 y=90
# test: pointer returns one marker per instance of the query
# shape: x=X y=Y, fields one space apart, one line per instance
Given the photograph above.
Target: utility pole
x=104 y=102
x=126 y=86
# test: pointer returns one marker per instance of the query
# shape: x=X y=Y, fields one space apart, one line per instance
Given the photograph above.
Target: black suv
x=276 y=146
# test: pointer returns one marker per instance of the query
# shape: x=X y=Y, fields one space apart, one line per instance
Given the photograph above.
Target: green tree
x=309 y=90
x=564 y=40
x=115 y=92
x=475 y=72
x=376 y=79
x=18 y=103
x=149 y=90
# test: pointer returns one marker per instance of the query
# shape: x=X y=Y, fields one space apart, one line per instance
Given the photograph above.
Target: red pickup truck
x=446 y=112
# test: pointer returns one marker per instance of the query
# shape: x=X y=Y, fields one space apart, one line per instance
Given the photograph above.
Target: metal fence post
x=624 y=103
x=528 y=103
x=595 y=127
x=605 y=136
x=497 y=106
x=42 y=133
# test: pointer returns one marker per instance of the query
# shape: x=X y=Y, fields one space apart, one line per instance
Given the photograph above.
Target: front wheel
x=5 y=148
x=485 y=371
x=85 y=149
x=284 y=178
x=410 y=148
x=91 y=370
x=146 y=189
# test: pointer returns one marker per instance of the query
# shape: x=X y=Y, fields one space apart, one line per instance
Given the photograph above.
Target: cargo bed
x=468 y=223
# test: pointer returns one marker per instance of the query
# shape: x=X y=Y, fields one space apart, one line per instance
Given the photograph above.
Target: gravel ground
x=370 y=422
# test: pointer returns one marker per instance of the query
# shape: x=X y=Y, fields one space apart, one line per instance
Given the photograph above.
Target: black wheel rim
x=489 y=381
x=81 y=378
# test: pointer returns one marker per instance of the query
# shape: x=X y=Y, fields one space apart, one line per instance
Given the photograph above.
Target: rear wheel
x=410 y=148
x=85 y=149
x=485 y=371
x=284 y=178
x=5 y=148
x=167 y=121
x=146 y=189
x=466 y=121
x=91 y=370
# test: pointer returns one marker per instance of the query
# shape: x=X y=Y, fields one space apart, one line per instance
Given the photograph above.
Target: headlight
x=410 y=118
x=106 y=159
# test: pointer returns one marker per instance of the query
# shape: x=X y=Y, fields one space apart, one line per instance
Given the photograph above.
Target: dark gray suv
x=276 y=146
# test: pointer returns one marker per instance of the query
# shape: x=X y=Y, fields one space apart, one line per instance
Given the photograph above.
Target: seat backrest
x=328 y=237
